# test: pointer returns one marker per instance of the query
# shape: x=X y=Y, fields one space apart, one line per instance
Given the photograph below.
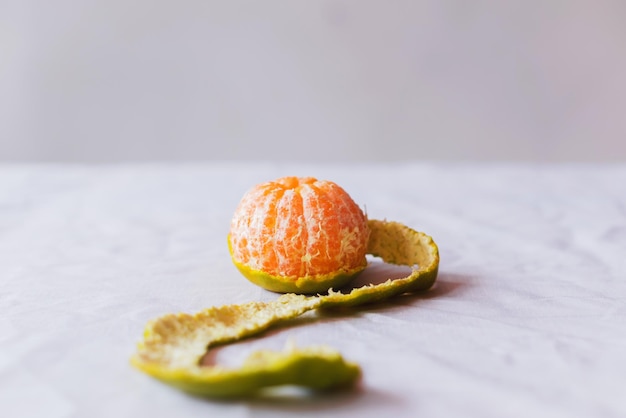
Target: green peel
x=175 y=344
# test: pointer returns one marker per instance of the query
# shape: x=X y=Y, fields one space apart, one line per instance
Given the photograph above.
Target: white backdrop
x=143 y=80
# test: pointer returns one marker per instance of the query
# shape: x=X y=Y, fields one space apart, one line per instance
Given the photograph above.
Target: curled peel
x=175 y=344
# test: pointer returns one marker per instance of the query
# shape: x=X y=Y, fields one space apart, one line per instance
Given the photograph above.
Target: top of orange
x=298 y=235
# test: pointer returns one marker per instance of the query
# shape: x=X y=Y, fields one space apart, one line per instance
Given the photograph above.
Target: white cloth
x=527 y=319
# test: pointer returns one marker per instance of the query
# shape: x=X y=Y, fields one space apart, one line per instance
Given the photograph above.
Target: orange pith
x=295 y=228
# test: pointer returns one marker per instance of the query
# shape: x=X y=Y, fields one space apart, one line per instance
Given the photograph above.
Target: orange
x=298 y=234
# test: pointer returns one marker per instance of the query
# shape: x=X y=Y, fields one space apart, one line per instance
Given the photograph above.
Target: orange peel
x=174 y=345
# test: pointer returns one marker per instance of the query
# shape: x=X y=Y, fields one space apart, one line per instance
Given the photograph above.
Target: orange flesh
x=299 y=227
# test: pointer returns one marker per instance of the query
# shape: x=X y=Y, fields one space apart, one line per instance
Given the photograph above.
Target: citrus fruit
x=298 y=234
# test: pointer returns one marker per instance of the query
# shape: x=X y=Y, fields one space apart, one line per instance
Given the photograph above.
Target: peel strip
x=174 y=345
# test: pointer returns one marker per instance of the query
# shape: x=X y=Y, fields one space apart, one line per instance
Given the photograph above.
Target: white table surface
x=527 y=319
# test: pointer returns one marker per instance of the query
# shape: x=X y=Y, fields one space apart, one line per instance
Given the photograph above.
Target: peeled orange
x=298 y=234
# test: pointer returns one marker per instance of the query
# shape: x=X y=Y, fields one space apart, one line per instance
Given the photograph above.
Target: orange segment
x=298 y=229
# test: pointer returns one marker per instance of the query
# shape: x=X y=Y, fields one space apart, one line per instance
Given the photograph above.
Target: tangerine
x=298 y=234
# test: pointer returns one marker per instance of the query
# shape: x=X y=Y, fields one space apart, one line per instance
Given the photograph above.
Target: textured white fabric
x=527 y=319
